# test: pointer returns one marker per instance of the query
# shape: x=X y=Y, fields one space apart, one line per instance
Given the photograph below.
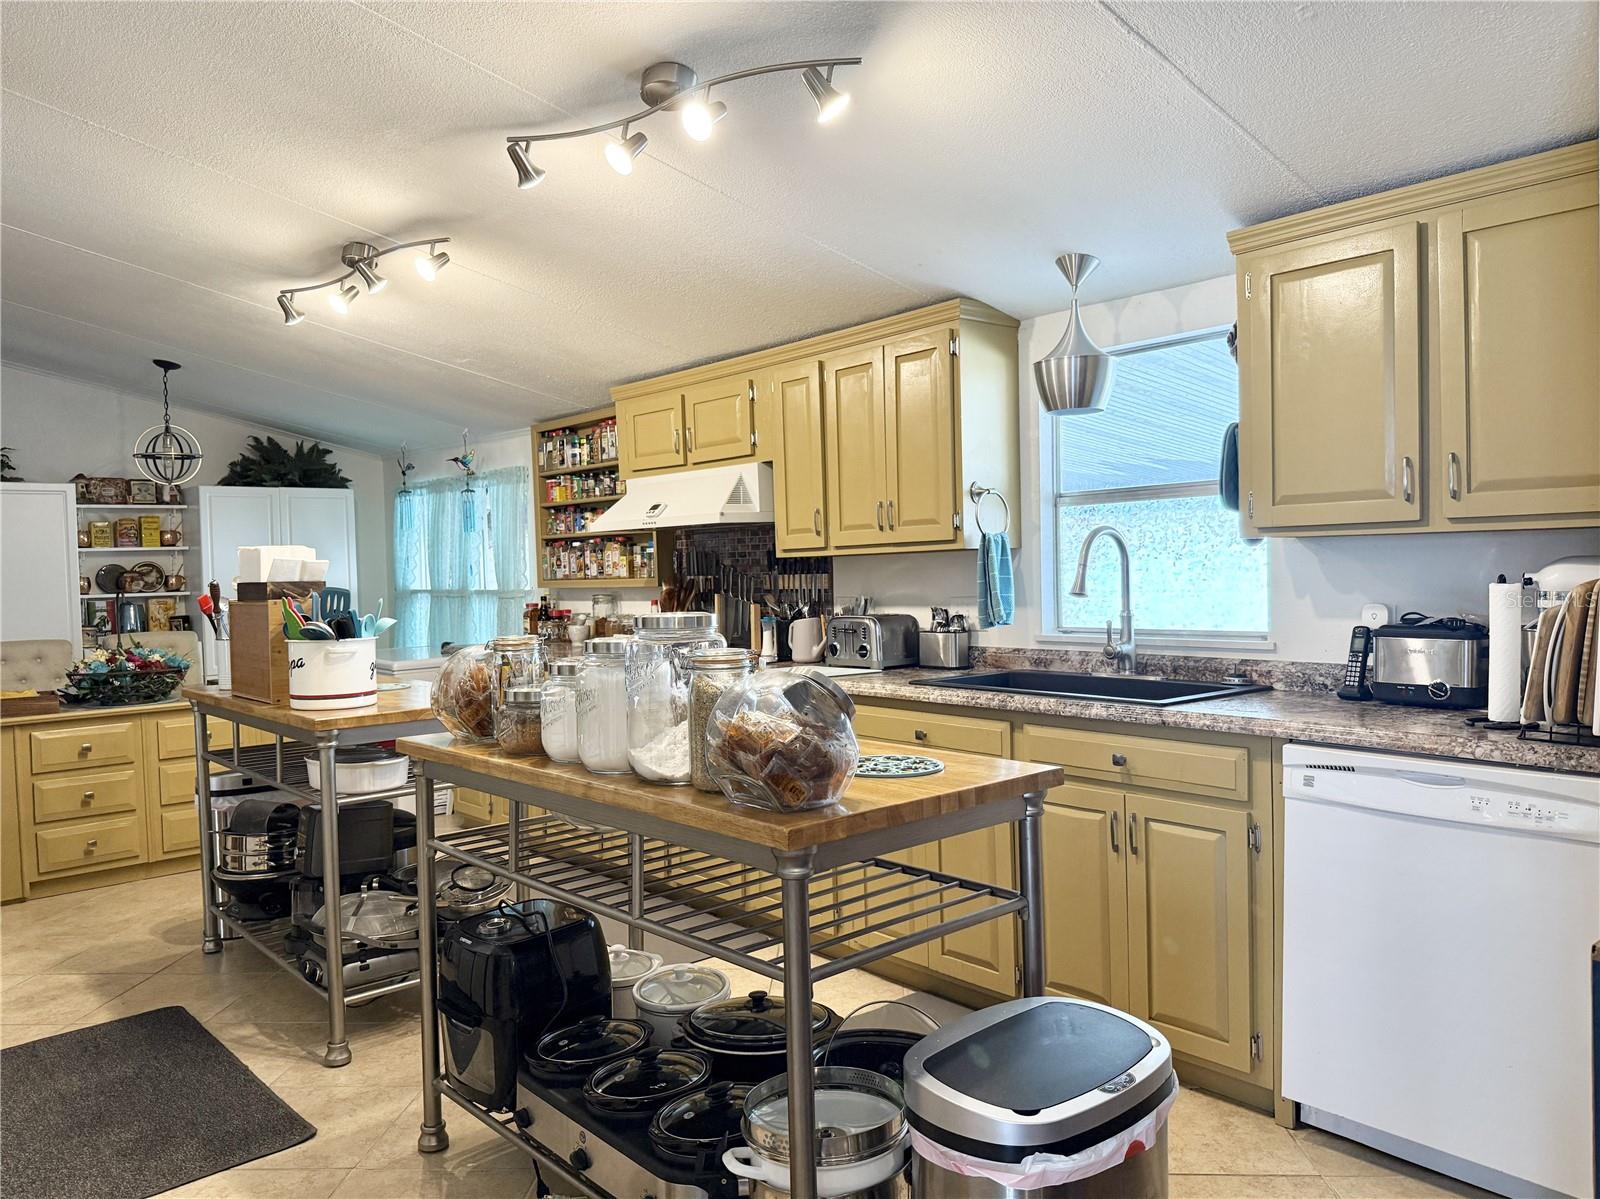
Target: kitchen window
x=1147 y=464
x=461 y=558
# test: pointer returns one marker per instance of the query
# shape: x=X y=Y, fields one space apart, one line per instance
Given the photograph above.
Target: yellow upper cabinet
x=719 y=420
x=852 y=414
x=650 y=432
x=792 y=395
x=1425 y=359
x=1332 y=408
x=919 y=437
x=1519 y=353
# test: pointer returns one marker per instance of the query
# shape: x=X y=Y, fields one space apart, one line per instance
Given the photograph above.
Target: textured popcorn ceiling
x=168 y=166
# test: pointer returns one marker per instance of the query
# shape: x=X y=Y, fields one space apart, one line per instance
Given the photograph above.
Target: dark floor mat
x=132 y=1108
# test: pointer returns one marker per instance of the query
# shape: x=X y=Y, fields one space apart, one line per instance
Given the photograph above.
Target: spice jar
x=517 y=722
x=782 y=740
x=603 y=706
x=711 y=672
x=559 y=701
x=603 y=614
x=658 y=691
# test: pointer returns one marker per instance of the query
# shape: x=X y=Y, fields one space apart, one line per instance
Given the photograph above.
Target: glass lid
x=681 y=988
x=630 y=965
x=707 y=1117
x=651 y=1074
x=753 y=1021
x=592 y=1040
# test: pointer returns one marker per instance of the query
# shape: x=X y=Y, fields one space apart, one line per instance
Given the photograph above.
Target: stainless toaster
x=1440 y=663
x=872 y=642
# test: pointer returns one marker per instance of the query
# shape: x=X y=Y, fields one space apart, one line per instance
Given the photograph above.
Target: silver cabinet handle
x=91 y=844
x=891 y=514
x=816 y=521
x=1119 y=759
x=1405 y=478
x=1115 y=848
x=674 y=439
x=86 y=747
x=1453 y=474
x=688 y=439
x=880 y=514
x=921 y=734
x=88 y=797
x=1133 y=833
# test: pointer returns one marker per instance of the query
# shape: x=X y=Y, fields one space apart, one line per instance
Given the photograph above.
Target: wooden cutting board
x=1570 y=658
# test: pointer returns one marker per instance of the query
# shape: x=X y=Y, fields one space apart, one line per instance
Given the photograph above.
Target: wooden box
x=258 y=652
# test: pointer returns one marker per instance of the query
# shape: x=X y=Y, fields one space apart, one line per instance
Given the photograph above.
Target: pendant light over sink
x=1074 y=376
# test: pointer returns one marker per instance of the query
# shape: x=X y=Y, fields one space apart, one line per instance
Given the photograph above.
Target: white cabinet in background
x=39 y=585
x=322 y=517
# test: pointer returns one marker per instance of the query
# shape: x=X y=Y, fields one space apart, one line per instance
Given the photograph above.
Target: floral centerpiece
x=135 y=674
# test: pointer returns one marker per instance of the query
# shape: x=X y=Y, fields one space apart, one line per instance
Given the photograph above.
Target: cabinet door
x=471 y=807
x=650 y=432
x=919 y=438
x=984 y=955
x=1331 y=384
x=852 y=410
x=1189 y=925
x=230 y=517
x=1519 y=354
x=719 y=418
x=794 y=395
x=1086 y=899
x=38 y=523
x=325 y=519
x=10 y=820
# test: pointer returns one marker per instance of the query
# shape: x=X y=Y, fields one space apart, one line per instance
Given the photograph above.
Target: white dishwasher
x=1438 y=918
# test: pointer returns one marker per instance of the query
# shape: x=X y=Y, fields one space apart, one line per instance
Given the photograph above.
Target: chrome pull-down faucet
x=1123 y=653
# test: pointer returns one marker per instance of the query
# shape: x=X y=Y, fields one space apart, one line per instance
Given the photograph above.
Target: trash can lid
x=1035 y=1075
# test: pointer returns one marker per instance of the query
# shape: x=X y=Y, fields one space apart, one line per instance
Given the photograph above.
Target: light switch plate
x=1374 y=615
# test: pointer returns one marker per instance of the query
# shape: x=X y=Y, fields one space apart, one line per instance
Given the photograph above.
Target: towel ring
x=977 y=493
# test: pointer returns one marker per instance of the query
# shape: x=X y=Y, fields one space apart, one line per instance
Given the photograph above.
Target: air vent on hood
x=718 y=495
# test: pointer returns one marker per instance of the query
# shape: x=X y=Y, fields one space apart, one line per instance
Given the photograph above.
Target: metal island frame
x=730 y=882
x=297 y=735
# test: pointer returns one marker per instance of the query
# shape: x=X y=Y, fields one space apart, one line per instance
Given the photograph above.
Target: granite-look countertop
x=1315 y=716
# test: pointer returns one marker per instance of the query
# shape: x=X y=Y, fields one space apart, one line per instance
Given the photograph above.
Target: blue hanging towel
x=996 y=596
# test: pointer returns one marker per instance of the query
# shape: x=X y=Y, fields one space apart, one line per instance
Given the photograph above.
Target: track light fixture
x=674 y=86
x=361 y=262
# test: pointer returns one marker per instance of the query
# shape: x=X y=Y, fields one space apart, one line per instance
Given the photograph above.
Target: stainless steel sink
x=1110 y=688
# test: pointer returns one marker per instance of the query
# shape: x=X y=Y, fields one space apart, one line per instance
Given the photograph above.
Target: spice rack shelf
x=132 y=507
x=658 y=541
x=132 y=549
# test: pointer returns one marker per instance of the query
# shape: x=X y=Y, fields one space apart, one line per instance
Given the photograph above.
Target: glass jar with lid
x=558 y=701
x=517 y=723
x=603 y=706
x=468 y=689
x=782 y=740
x=603 y=614
x=711 y=672
x=658 y=691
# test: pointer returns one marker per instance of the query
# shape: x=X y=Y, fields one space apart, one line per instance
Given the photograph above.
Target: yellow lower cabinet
x=83 y=844
x=85 y=793
x=10 y=820
x=1085 y=895
x=180 y=830
x=984 y=955
x=472 y=806
x=1189 y=961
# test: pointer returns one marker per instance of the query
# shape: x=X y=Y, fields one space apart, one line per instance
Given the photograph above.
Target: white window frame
x=1058 y=630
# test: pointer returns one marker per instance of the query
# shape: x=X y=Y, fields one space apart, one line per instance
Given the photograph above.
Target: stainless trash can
x=1084 y=1085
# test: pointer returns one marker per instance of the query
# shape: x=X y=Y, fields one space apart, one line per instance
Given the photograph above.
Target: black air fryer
x=507 y=977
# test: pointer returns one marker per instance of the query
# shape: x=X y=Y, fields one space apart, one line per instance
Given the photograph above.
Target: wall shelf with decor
x=100 y=505
x=576 y=468
x=132 y=507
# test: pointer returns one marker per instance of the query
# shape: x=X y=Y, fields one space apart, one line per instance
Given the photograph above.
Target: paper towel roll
x=1508 y=612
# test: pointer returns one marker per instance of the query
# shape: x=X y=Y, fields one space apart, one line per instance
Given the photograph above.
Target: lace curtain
x=461 y=558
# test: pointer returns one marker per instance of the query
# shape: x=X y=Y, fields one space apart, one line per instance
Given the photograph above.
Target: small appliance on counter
x=1431 y=662
x=872 y=642
x=948 y=644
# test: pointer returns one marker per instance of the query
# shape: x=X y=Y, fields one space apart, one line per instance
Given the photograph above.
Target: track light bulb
x=830 y=100
x=429 y=265
x=291 y=314
x=528 y=175
x=374 y=281
x=341 y=300
x=700 y=117
x=621 y=154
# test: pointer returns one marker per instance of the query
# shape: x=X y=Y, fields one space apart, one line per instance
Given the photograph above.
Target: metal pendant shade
x=1075 y=375
x=167 y=453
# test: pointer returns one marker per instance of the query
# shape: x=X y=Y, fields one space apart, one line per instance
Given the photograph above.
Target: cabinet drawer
x=175 y=736
x=85 y=793
x=87 y=843
x=964 y=733
x=1216 y=770
x=103 y=743
x=176 y=782
x=180 y=829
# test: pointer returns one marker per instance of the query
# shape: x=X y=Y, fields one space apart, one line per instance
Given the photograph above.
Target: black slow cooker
x=746 y=1035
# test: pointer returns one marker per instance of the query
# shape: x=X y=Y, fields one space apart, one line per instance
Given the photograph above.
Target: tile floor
x=77 y=960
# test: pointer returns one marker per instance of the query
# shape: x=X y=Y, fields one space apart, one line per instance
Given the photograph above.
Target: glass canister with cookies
x=470 y=686
x=782 y=740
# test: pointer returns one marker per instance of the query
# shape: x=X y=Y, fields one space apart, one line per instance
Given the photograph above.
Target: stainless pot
x=256 y=853
x=382 y=919
x=468 y=890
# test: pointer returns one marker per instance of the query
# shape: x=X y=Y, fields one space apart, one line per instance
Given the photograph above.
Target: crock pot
x=746 y=1035
x=664 y=996
x=882 y=1050
x=468 y=890
x=578 y=1050
x=628 y=966
x=636 y=1087
x=695 y=1129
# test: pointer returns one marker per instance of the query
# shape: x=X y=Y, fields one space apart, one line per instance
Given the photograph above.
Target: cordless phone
x=1355 y=666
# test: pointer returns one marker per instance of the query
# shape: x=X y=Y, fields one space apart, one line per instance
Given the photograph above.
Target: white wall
x=59 y=427
x=1317 y=584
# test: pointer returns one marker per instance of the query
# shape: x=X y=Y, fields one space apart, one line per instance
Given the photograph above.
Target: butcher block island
x=795 y=897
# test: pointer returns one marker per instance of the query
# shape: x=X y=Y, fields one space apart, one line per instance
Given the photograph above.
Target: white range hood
x=719 y=496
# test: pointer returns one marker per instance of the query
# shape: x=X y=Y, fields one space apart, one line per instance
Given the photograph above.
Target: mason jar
x=711 y=672
x=603 y=706
x=467 y=692
x=558 y=698
x=658 y=691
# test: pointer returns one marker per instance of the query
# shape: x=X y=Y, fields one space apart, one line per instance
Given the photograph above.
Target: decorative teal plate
x=897 y=766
